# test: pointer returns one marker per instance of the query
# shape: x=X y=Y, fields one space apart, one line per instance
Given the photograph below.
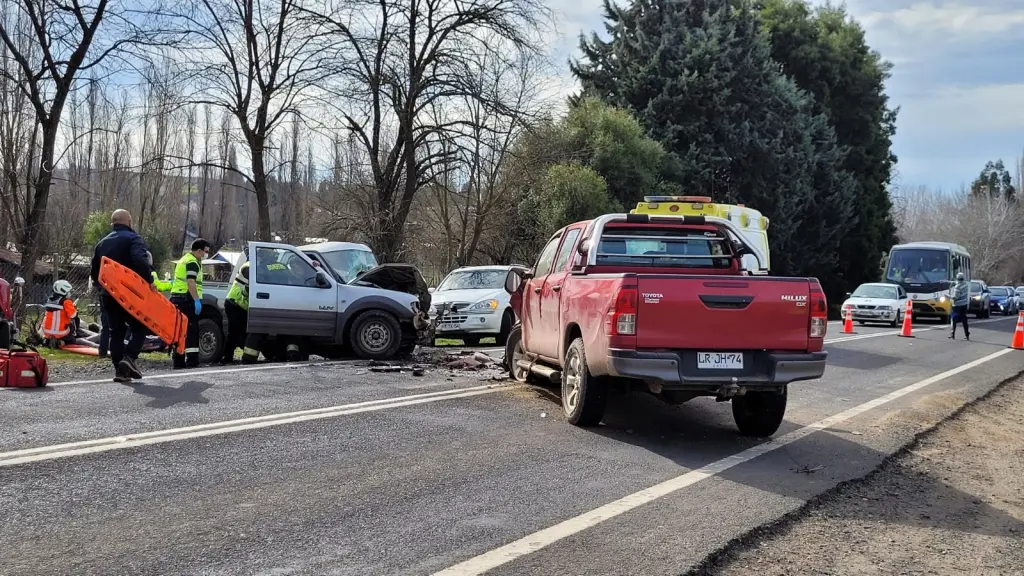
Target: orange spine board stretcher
x=152 y=309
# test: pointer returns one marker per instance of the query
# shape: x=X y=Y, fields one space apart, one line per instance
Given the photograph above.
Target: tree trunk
x=259 y=180
x=31 y=239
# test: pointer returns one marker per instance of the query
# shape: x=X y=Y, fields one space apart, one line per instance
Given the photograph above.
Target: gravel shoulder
x=951 y=504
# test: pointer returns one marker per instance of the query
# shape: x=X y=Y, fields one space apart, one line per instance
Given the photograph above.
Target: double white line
x=160 y=436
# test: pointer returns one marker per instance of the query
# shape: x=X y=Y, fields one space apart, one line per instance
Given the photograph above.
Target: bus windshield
x=919 y=267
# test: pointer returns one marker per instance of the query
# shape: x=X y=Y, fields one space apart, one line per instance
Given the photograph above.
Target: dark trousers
x=960 y=316
x=238 y=320
x=187 y=306
x=120 y=322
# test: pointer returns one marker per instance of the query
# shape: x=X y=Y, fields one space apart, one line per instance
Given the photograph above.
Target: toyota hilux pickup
x=662 y=304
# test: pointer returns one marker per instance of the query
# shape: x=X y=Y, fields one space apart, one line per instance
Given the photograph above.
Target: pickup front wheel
x=514 y=352
x=375 y=335
x=583 y=396
x=759 y=414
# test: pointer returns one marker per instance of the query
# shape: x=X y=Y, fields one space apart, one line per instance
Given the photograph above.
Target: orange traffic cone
x=848 y=320
x=908 y=321
x=1018 y=334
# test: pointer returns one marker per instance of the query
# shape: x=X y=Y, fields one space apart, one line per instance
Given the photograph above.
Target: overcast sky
x=958 y=79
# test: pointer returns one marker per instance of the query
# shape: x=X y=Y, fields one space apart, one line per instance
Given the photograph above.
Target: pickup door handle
x=556 y=288
x=536 y=290
x=725 y=301
x=262 y=296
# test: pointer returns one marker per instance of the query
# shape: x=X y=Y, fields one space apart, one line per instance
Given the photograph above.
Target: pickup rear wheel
x=759 y=414
x=583 y=396
x=513 y=353
x=375 y=335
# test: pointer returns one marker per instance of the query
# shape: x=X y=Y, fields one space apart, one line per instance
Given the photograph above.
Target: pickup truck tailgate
x=725 y=313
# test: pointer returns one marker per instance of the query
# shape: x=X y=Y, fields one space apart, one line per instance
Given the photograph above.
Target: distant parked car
x=1004 y=299
x=877 y=302
x=980 y=303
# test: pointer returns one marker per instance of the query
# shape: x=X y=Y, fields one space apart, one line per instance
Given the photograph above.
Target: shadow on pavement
x=860 y=359
x=190 y=392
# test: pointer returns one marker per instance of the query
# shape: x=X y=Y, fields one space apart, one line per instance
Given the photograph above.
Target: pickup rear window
x=663 y=248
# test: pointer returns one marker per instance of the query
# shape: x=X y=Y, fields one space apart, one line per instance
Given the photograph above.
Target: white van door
x=288 y=295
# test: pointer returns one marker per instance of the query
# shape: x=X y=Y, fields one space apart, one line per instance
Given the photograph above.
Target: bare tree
x=51 y=44
x=991 y=227
x=400 y=60
x=257 y=60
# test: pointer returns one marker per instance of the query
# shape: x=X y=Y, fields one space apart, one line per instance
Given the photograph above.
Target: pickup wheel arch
x=572 y=332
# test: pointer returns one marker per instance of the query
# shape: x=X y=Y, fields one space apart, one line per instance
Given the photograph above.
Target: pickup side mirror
x=321 y=280
x=513 y=280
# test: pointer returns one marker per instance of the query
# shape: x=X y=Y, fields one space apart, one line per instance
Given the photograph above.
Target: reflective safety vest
x=161 y=285
x=239 y=291
x=182 y=275
x=60 y=311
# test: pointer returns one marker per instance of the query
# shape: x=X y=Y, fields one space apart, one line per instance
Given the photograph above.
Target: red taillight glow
x=818 y=324
x=621 y=319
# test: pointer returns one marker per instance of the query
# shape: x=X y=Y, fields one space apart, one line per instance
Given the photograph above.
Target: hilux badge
x=800 y=300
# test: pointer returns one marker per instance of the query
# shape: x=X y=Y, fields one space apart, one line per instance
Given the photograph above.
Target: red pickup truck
x=660 y=303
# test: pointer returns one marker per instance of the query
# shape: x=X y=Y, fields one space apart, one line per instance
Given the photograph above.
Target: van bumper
x=677 y=370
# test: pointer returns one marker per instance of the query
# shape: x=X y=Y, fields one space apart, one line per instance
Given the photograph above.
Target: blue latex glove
x=199 y=306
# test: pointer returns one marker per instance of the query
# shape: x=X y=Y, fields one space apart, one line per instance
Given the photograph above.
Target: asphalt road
x=332 y=469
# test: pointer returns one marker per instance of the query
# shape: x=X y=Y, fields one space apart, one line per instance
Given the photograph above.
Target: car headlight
x=484 y=306
x=942 y=299
x=977 y=297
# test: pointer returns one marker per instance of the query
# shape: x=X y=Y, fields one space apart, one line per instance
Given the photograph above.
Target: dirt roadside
x=952 y=504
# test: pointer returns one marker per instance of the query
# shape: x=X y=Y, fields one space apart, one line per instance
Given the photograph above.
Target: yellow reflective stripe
x=250 y=352
x=191 y=350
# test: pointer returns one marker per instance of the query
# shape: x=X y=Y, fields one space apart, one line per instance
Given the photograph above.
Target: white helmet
x=62 y=287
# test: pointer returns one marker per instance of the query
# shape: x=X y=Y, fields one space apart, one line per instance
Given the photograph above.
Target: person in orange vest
x=60 y=324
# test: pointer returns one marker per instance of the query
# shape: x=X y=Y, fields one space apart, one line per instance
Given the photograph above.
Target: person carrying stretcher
x=61 y=322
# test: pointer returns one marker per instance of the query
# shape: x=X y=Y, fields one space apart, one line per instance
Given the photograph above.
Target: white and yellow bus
x=751 y=223
x=927 y=271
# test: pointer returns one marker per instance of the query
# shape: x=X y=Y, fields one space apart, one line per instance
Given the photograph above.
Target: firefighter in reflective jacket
x=187 y=295
x=60 y=324
x=236 y=306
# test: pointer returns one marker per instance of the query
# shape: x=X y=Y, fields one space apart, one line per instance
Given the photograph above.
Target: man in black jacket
x=127 y=248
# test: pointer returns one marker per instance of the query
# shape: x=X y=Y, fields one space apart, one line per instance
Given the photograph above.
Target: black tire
x=896 y=323
x=375 y=335
x=988 y=312
x=590 y=393
x=211 y=341
x=507 y=319
x=471 y=340
x=514 y=351
x=759 y=414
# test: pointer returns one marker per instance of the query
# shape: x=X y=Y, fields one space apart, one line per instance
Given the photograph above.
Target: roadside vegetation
x=443 y=134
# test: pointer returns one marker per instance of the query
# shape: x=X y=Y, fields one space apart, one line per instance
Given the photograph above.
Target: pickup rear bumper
x=677 y=370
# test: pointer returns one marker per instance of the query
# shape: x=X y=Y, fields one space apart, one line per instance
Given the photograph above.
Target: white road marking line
x=160 y=436
x=543 y=538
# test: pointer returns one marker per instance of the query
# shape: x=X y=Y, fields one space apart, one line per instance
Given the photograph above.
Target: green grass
x=63 y=356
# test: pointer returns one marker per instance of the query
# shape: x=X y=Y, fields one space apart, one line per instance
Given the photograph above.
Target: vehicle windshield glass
x=875 y=291
x=918 y=266
x=664 y=248
x=350 y=263
x=999 y=291
x=217 y=272
x=975 y=287
x=473 y=280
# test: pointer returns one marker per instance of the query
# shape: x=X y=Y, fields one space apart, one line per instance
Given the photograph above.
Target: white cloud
x=964 y=20
x=955 y=110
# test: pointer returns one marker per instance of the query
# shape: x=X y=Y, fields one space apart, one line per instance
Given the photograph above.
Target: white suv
x=478 y=305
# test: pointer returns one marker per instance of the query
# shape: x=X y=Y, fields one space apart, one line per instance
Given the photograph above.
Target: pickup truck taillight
x=818 y=324
x=621 y=319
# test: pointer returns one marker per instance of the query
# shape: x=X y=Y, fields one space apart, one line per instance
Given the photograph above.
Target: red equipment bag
x=22 y=369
